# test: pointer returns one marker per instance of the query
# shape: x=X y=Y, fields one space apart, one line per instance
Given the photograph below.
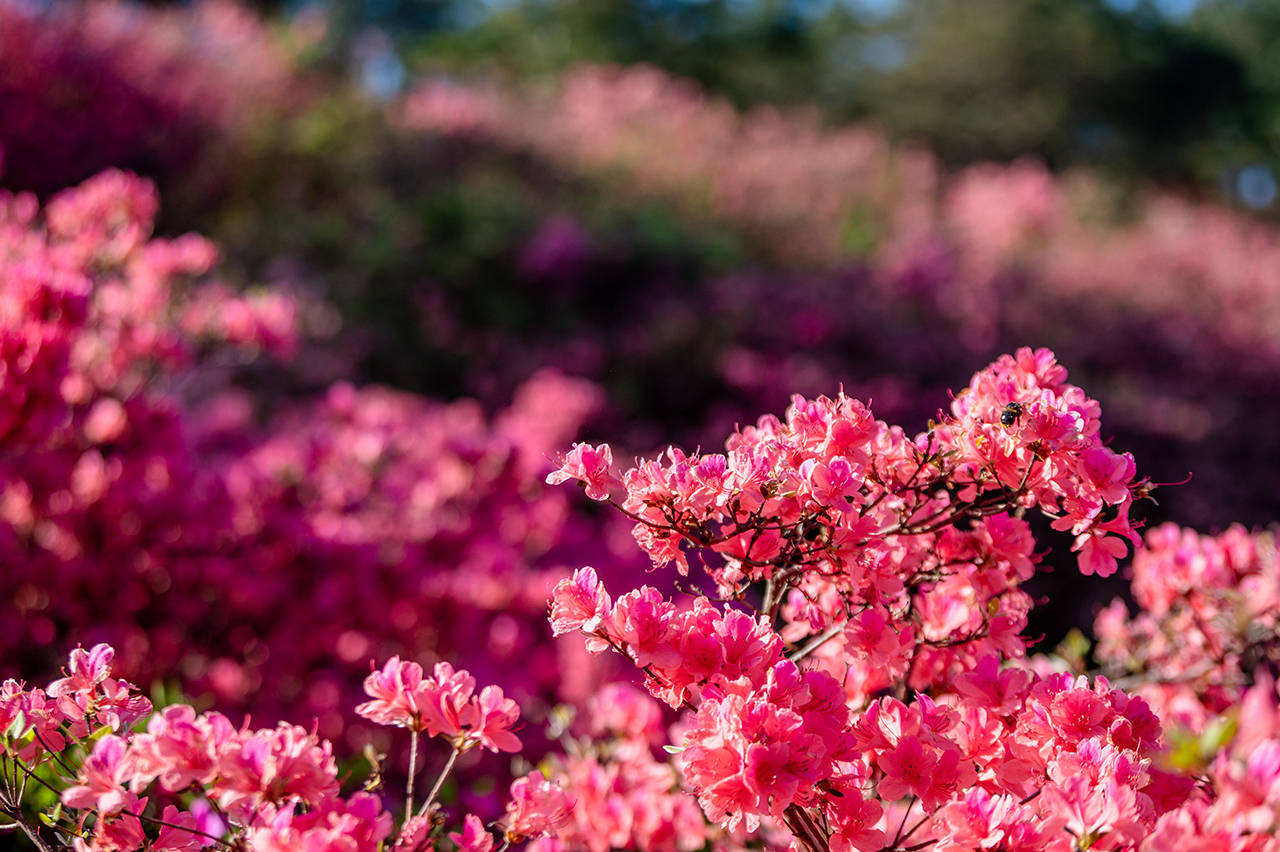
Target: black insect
x=1010 y=414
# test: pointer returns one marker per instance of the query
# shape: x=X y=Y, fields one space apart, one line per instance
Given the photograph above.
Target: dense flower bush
x=257 y=567
x=838 y=654
x=1206 y=625
x=876 y=692
x=207 y=782
x=112 y=84
x=855 y=679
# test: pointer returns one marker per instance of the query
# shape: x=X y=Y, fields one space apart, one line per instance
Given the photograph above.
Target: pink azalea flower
x=537 y=807
x=589 y=465
x=102 y=779
x=579 y=603
x=473 y=837
x=491 y=720
x=396 y=695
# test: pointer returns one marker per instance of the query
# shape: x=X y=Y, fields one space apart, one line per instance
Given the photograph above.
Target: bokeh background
x=506 y=226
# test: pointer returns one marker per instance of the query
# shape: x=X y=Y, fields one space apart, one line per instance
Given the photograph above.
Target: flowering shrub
x=848 y=668
x=1206 y=628
x=859 y=679
x=113 y=84
x=258 y=568
x=191 y=780
x=856 y=679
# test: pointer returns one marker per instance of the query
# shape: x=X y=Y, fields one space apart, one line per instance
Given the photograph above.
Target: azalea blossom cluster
x=1207 y=623
x=624 y=797
x=189 y=780
x=859 y=679
x=1237 y=756
x=441 y=704
x=134 y=473
x=912 y=549
x=98 y=319
x=379 y=523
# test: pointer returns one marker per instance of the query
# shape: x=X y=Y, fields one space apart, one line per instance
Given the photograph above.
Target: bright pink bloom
x=356 y=825
x=179 y=833
x=1099 y=554
x=856 y=823
x=120 y=832
x=579 y=603
x=909 y=769
x=537 y=807
x=397 y=693
x=589 y=465
x=181 y=748
x=446 y=700
x=473 y=837
x=491 y=718
x=102 y=778
x=279 y=766
x=89 y=697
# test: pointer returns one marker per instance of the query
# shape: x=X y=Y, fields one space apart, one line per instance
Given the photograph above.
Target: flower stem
x=444 y=773
x=413 y=770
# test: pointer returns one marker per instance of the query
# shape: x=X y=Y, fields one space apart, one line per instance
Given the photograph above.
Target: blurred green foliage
x=1188 y=99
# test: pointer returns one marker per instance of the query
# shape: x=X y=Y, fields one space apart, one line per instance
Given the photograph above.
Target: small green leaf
x=18 y=727
x=100 y=732
x=1217 y=735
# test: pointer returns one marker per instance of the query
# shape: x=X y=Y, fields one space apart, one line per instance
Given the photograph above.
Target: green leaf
x=99 y=733
x=18 y=727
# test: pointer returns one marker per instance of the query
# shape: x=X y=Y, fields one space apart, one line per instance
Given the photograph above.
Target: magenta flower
x=537 y=808
x=473 y=837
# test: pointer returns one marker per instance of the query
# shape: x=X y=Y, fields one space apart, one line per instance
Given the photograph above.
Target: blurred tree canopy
x=1184 y=92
